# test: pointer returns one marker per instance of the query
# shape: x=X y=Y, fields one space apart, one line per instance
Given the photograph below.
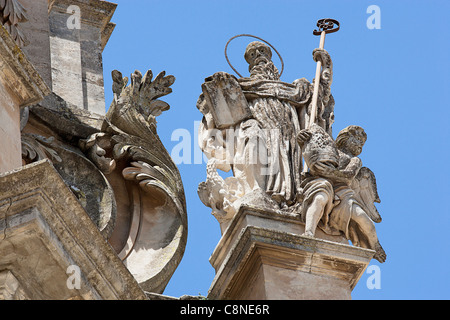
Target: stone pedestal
x=262 y=255
x=20 y=86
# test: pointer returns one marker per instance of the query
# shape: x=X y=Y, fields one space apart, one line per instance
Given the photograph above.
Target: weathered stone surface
x=250 y=126
x=65 y=119
x=18 y=74
x=52 y=131
x=268 y=258
x=36 y=31
x=77 y=68
x=338 y=192
x=120 y=172
x=262 y=218
x=321 y=147
x=10 y=288
x=45 y=230
x=10 y=131
x=225 y=99
x=20 y=85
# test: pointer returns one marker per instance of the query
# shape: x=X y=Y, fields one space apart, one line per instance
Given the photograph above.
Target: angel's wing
x=365 y=187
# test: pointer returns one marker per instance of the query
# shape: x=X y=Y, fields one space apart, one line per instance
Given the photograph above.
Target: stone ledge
x=44 y=229
x=263 y=218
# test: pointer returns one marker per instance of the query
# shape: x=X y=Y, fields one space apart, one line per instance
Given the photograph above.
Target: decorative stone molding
x=268 y=258
x=44 y=230
x=120 y=171
x=129 y=148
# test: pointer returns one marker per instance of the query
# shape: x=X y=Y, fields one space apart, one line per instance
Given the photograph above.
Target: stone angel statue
x=338 y=192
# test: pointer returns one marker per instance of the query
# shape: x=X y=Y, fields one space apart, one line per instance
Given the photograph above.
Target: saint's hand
x=321 y=55
x=327 y=65
x=303 y=137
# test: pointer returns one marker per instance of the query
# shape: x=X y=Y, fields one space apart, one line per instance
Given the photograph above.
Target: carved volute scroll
x=133 y=158
x=89 y=184
x=120 y=172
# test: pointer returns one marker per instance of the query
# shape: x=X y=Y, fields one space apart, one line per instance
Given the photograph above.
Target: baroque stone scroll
x=120 y=171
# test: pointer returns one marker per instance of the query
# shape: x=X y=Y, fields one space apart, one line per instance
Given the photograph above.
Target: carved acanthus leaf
x=11 y=14
x=130 y=129
x=135 y=106
x=147 y=176
x=149 y=161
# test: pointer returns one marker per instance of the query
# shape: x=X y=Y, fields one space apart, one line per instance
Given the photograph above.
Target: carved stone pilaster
x=18 y=74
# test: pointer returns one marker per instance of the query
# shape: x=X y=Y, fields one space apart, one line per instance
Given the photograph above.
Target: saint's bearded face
x=257 y=53
x=259 y=57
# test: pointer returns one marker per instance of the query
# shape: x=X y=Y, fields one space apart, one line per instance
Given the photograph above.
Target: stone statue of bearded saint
x=250 y=125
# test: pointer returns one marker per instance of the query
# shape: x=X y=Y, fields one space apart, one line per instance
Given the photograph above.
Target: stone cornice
x=42 y=219
x=93 y=12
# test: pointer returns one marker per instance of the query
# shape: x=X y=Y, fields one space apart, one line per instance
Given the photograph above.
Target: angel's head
x=352 y=140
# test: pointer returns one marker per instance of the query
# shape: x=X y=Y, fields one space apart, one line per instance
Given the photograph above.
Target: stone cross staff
x=325 y=26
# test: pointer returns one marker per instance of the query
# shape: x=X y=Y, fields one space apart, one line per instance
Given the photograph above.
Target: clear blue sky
x=393 y=81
